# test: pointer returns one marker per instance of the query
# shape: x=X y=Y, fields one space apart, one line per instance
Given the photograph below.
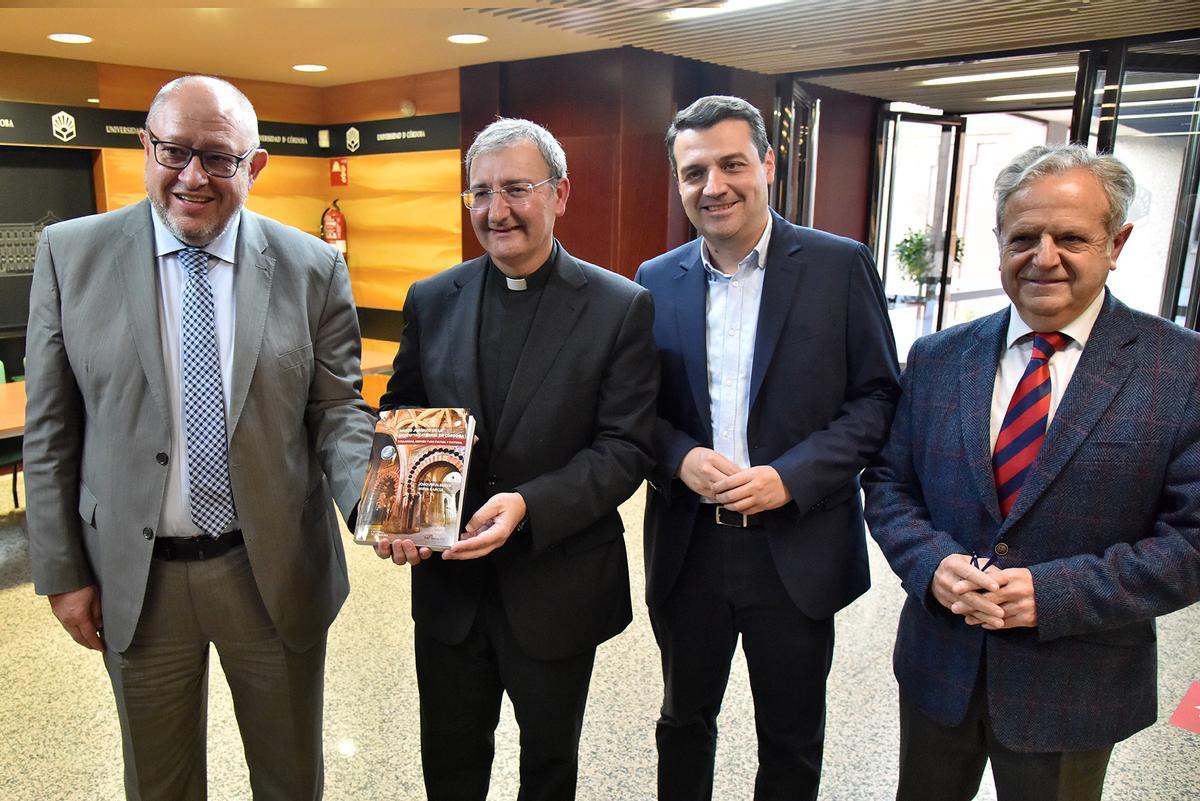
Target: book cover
x=417 y=478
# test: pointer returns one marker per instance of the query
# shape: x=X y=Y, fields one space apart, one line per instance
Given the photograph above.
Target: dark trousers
x=945 y=763
x=729 y=586
x=461 y=687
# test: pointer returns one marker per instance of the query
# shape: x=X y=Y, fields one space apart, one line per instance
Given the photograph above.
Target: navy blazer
x=823 y=390
x=1108 y=522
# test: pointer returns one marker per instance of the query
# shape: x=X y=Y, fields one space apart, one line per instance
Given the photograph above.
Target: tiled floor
x=59 y=736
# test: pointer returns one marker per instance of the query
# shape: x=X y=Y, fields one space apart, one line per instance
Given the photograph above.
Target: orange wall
x=402 y=209
x=430 y=92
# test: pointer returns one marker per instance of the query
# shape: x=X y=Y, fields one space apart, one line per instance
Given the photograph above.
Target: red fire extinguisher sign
x=339 y=172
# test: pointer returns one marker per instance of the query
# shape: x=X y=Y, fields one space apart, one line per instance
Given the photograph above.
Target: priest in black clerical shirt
x=555 y=358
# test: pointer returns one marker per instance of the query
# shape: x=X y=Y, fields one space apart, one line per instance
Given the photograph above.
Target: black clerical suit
x=565 y=419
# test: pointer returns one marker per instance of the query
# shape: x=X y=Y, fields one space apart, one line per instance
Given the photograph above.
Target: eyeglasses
x=175 y=156
x=514 y=194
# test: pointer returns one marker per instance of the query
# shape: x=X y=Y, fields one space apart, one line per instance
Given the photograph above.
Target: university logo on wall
x=62 y=125
x=352 y=139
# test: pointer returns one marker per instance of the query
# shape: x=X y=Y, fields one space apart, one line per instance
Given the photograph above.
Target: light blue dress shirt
x=731 y=312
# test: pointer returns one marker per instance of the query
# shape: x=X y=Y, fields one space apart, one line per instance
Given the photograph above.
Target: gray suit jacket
x=98 y=426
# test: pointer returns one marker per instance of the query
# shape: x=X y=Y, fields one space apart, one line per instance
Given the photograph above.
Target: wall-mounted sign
x=91 y=127
x=339 y=172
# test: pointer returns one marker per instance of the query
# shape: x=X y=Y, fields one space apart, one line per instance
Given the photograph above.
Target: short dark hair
x=708 y=111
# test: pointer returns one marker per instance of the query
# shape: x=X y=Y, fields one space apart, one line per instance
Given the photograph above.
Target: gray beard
x=198 y=240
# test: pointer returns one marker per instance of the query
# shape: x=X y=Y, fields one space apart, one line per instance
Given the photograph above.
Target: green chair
x=10 y=451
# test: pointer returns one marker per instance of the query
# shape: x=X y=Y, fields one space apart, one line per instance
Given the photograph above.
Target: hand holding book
x=490 y=527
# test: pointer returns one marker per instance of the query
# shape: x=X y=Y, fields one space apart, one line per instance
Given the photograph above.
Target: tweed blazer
x=1108 y=523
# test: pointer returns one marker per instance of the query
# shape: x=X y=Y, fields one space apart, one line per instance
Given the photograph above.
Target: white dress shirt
x=176 y=517
x=731 y=311
x=1016 y=358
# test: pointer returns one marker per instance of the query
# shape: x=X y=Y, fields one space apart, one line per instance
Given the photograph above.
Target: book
x=417 y=478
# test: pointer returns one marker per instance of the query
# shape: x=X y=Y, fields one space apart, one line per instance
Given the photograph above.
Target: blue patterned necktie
x=204 y=401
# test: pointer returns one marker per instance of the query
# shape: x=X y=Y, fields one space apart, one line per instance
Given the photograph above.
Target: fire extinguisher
x=333 y=227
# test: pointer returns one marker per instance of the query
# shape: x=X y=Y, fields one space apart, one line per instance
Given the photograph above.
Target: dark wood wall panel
x=846 y=148
x=610 y=110
x=588 y=229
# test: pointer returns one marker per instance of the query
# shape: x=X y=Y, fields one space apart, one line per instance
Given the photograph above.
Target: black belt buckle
x=194 y=549
x=728 y=517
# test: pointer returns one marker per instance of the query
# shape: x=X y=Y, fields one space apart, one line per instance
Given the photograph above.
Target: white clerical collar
x=516 y=284
x=224 y=247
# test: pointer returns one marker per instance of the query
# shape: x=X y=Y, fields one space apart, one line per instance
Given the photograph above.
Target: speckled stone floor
x=59 y=737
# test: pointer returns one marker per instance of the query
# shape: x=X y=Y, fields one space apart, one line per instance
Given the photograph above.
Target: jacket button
x=1001 y=548
x=161 y=458
x=148 y=533
x=491 y=481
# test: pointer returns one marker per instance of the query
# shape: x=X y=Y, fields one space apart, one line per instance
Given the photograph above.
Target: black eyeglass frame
x=197 y=153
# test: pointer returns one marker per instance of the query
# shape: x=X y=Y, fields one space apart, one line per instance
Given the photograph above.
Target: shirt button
x=737 y=283
x=1001 y=548
x=729 y=383
x=732 y=331
x=148 y=533
x=161 y=458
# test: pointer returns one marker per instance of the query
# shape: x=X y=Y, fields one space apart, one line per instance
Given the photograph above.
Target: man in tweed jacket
x=1028 y=637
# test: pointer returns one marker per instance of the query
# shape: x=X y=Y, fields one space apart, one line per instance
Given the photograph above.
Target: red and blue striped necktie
x=1024 y=426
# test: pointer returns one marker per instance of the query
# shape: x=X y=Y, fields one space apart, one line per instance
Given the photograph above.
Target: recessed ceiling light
x=728 y=7
x=1029 y=96
x=1155 y=86
x=1000 y=76
x=70 y=38
x=93 y=100
x=467 y=38
x=914 y=108
x=309 y=67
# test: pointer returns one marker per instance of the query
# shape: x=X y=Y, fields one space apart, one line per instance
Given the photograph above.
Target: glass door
x=1147 y=112
x=916 y=244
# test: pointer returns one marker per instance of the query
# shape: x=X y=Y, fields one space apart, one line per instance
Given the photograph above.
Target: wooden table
x=12 y=409
x=377 y=356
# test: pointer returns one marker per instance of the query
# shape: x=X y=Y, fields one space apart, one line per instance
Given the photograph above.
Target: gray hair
x=708 y=111
x=508 y=131
x=1115 y=178
x=245 y=109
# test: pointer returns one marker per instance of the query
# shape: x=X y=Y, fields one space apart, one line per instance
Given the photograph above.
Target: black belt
x=725 y=517
x=191 y=549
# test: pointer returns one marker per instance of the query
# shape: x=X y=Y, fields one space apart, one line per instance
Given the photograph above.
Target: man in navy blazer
x=1028 y=633
x=779 y=381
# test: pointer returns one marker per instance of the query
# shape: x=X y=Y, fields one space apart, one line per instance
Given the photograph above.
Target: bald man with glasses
x=194 y=406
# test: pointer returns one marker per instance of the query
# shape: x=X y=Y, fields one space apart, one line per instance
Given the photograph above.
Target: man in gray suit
x=193 y=377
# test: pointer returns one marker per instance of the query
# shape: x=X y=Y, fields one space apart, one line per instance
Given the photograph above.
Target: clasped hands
x=488 y=529
x=746 y=490
x=994 y=599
